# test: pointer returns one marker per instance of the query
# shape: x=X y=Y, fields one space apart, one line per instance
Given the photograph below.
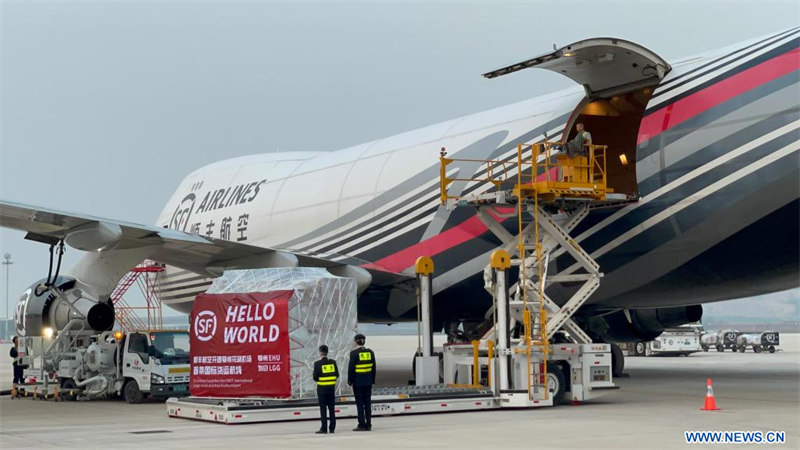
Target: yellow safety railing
x=538 y=167
x=495 y=172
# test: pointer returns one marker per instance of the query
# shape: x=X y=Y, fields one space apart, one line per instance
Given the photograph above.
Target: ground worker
x=325 y=374
x=15 y=362
x=361 y=376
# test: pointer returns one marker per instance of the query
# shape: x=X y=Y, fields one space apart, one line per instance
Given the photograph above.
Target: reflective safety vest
x=328 y=380
x=364 y=364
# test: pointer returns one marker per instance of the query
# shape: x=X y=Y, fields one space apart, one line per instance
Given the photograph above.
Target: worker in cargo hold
x=361 y=376
x=577 y=146
x=326 y=373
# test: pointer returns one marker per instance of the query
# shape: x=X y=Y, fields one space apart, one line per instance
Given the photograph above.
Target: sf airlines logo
x=213 y=200
x=205 y=325
x=182 y=213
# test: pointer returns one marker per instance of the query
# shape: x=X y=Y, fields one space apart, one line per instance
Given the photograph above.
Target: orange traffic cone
x=711 y=403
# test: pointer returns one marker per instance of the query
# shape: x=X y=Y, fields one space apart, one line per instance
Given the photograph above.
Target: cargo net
x=322 y=310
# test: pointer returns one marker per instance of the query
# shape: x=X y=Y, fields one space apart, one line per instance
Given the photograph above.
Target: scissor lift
x=548 y=195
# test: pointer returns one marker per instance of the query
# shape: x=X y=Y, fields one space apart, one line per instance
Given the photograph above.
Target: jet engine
x=40 y=308
x=637 y=325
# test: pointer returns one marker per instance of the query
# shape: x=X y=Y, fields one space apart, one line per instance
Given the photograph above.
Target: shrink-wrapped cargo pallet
x=256 y=333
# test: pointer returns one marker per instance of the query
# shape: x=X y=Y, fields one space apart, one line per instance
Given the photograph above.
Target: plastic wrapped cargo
x=321 y=310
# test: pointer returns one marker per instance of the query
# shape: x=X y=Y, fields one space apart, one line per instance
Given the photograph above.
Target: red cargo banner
x=240 y=345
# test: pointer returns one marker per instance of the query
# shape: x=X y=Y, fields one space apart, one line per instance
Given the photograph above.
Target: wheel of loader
x=705 y=348
x=757 y=348
x=720 y=348
x=742 y=348
x=556 y=383
x=132 y=392
x=639 y=349
x=772 y=349
x=68 y=384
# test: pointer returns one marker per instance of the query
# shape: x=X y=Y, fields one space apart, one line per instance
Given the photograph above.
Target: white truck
x=134 y=366
x=71 y=350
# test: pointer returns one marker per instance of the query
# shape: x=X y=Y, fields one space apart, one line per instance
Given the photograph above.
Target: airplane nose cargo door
x=619 y=78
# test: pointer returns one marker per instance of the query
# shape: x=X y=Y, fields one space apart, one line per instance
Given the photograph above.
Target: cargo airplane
x=704 y=149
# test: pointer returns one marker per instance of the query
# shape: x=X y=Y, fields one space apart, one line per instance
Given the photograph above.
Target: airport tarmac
x=659 y=399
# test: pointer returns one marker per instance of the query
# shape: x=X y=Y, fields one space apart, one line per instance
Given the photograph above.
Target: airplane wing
x=200 y=254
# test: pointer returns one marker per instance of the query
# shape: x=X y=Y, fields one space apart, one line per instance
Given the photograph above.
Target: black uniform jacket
x=362 y=368
x=326 y=372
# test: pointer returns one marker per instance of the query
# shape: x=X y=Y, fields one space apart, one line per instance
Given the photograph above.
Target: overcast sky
x=106 y=105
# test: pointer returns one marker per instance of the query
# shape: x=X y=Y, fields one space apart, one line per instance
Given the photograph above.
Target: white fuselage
x=288 y=194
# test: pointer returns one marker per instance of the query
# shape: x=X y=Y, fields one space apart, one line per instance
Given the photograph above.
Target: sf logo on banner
x=205 y=325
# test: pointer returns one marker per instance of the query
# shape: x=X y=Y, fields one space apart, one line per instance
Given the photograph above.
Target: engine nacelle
x=39 y=309
x=638 y=325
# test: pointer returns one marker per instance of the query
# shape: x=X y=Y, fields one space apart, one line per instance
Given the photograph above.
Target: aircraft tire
x=617 y=360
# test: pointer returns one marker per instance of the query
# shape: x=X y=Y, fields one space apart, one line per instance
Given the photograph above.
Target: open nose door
x=603 y=66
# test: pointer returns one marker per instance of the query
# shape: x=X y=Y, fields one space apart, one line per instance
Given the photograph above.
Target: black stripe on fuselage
x=394 y=214
x=697 y=159
x=692 y=215
x=395 y=244
x=717 y=112
x=737 y=258
x=760 y=258
x=791 y=45
x=716 y=149
x=398 y=220
x=165 y=282
x=184 y=296
x=184 y=286
x=696 y=72
x=644 y=212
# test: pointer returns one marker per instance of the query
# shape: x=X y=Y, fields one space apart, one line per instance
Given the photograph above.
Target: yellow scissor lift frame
x=540 y=179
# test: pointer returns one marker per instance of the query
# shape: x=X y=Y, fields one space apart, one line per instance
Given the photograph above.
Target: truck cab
x=154 y=364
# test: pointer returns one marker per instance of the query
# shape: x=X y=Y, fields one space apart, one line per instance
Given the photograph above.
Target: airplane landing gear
x=617 y=361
